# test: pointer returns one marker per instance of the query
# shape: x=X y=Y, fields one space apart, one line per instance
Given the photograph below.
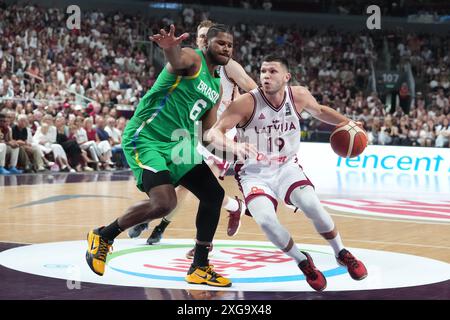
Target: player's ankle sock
x=232 y=204
x=336 y=244
x=201 y=255
x=112 y=231
x=163 y=224
x=293 y=251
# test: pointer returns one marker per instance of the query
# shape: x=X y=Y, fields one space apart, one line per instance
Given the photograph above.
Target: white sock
x=264 y=214
x=296 y=254
x=231 y=205
x=336 y=244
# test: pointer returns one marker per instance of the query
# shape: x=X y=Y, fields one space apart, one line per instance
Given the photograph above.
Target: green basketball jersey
x=162 y=135
x=177 y=102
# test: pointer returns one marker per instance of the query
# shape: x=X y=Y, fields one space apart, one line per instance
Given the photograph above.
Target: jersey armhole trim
x=228 y=77
x=293 y=103
x=253 y=113
x=196 y=74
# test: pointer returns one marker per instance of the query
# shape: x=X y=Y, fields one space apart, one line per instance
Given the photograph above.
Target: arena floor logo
x=252 y=266
x=435 y=211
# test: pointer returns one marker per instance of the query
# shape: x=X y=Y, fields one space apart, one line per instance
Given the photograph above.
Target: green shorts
x=144 y=151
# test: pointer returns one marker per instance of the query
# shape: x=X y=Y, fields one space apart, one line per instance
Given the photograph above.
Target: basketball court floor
x=402 y=235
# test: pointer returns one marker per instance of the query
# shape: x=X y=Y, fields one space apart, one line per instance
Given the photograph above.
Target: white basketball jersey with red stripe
x=229 y=88
x=274 y=130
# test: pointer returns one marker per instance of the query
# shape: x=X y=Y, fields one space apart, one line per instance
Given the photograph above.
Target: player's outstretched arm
x=179 y=59
x=304 y=100
x=237 y=74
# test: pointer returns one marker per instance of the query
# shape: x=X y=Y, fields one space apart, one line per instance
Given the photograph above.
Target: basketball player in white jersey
x=268 y=139
x=232 y=77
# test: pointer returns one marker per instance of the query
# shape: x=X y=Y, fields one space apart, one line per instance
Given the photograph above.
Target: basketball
x=348 y=140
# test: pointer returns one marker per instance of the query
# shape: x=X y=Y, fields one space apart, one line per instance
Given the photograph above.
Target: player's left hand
x=245 y=150
x=168 y=40
x=351 y=122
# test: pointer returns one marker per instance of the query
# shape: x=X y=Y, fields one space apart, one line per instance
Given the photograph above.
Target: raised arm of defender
x=180 y=59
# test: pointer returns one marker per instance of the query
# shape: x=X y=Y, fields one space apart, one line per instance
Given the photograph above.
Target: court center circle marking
x=251 y=265
x=327 y=273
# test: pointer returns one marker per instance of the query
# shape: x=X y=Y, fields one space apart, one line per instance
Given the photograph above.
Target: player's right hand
x=168 y=40
x=245 y=150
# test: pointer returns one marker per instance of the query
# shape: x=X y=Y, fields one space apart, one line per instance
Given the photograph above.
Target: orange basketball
x=348 y=140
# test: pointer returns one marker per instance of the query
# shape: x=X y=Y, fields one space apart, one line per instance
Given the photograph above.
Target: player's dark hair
x=216 y=28
x=276 y=58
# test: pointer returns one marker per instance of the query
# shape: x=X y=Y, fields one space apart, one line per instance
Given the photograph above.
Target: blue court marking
x=328 y=273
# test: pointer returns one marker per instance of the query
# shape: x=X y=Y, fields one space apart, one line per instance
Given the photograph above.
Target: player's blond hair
x=205 y=24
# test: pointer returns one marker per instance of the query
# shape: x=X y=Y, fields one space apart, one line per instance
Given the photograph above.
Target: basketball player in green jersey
x=232 y=77
x=160 y=143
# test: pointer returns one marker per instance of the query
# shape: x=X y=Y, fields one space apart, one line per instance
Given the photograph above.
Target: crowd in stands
x=400 y=8
x=60 y=90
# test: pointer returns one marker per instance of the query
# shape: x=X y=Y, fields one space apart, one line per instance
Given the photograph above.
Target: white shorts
x=275 y=182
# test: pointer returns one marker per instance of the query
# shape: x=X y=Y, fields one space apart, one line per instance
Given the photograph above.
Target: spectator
x=115 y=136
x=404 y=139
x=413 y=134
x=59 y=154
x=442 y=134
x=404 y=97
x=8 y=147
x=86 y=144
x=267 y=5
x=70 y=146
x=22 y=134
x=42 y=139
x=188 y=17
x=426 y=136
x=101 y=138
x=373 y=134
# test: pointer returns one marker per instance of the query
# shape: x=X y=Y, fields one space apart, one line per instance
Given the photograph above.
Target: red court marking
x=409 y=212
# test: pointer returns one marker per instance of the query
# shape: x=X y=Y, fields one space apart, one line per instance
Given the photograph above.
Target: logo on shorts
x=256 y=190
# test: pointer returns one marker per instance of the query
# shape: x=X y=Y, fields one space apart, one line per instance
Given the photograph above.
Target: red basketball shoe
x=314 y=277
x=355 y=268
x=234 y=218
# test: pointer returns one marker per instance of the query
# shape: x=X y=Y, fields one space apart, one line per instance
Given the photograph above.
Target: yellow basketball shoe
x=206 y=275
x=98 y=249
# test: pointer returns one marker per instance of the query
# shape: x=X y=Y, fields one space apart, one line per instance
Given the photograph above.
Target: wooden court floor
x=58 y=211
